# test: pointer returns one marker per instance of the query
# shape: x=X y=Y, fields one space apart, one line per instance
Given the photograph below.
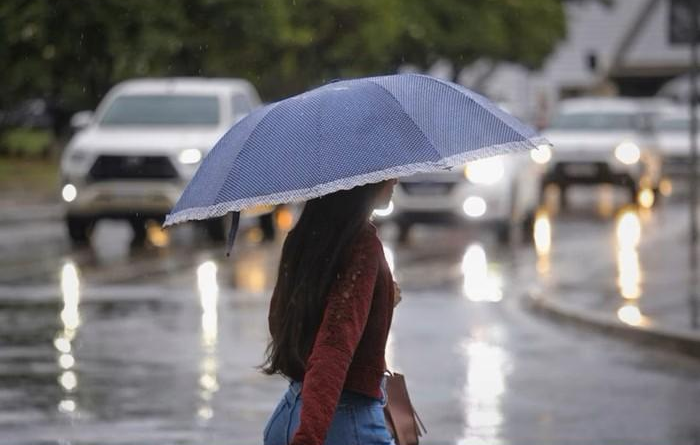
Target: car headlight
x=542 y=154
x=628 y=153
x=190 y=156
x=69 y=193
x=485 y=171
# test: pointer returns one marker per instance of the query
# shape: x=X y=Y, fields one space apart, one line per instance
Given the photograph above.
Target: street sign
x=680 y=29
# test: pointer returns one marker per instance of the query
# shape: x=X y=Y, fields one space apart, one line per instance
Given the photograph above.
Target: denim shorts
x=358 y=419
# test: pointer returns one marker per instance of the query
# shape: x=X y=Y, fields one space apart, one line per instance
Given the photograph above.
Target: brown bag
x=401 y=419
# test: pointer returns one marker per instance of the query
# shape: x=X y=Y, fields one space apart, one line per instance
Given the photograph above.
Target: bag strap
x=419 y=424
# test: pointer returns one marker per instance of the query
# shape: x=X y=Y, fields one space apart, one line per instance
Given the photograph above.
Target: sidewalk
x=642 y=292
x=13 y=211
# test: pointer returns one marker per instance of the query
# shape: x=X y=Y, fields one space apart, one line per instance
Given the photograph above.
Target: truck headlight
x=628 y=153
x=69 y=193
x=485 y=171
x=542 y=154
x=474 y=206
x=190 y=156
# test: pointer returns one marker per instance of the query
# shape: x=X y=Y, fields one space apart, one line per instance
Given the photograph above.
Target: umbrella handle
x=235 y=218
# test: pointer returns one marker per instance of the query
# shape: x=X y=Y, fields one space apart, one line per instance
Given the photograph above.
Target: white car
x=501 y=191
x=132 y=159
x=603 y=140
x=672 y=129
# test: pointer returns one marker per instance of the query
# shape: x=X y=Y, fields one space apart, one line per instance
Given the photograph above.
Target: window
x=149 y=109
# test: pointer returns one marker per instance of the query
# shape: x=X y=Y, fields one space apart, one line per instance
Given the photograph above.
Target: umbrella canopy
x=346 y=134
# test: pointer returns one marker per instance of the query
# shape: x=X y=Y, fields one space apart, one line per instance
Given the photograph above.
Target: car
x=603 y=141
x=501 y=192
x=672 y=131
x=133 y=157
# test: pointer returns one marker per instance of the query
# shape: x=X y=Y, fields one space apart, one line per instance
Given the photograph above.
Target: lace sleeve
x=344 y=319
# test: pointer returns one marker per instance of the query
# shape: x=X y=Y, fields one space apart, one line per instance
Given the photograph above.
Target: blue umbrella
x=345 y=134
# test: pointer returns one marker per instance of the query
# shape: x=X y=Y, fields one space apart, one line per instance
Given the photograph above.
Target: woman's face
x=385 y=193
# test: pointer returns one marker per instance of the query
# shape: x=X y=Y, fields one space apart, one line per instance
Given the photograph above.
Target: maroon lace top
x=348 y=352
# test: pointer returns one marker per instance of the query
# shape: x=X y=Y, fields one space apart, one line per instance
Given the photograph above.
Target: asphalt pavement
x=148 y=345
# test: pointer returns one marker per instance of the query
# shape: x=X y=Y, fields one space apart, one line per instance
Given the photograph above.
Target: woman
x=329 y=318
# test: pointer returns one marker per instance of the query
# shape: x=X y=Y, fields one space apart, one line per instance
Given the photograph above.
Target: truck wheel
x=563 y=198
x=633 y=192
x=528 y=227
x=215 y=229
x=503 y=232
x=79 y=229
x=404 y=232
x=138 y=227
x=267 y=225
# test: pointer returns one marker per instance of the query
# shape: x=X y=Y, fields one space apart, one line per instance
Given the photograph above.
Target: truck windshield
x=144 y=110
x=596 y=121
x=679 y=124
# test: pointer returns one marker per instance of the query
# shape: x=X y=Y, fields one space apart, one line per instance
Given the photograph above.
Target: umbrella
x=345 y=134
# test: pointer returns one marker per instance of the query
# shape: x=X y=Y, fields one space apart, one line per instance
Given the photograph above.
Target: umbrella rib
x=471 y=96
x=255 y=129
x=415 y=124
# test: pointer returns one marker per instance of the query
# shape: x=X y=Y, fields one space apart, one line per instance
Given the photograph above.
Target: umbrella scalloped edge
x=300 y=195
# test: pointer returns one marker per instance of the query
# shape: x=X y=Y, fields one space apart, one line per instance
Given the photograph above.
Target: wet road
x=114 y=345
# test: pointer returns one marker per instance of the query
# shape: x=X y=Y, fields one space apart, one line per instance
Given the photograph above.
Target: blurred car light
x=474 y=206
x=628 y=153
x=631 y=315
x=646 y=198
x=69 y=193
x=542 y=154
x=485 y=171
x=383 y=213
x=190 y=156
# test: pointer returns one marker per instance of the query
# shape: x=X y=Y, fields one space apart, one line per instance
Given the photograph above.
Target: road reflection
x=63 y=342
x=253 y=272
x=209 y=365
x=482 y=281
x=483 y=392
x=630 y=314
x=628 y=234
x=542 y=234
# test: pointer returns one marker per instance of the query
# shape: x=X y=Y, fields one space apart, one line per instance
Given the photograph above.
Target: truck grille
x=108 y=167
x=427 y=188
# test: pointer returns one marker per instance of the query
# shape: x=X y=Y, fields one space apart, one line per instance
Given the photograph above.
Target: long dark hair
x=313 y=254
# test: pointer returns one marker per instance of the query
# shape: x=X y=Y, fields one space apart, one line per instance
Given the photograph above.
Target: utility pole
x=693 y=134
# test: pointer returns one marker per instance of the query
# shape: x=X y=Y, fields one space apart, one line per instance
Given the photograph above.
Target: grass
x=28 y=172
x=29 y=178
x=27 y=142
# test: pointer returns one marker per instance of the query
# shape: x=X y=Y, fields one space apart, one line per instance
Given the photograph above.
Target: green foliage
x=461 y=31
x=76 y=49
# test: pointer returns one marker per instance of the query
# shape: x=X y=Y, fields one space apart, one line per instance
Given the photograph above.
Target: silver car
x=602 y=141
x=500 y=192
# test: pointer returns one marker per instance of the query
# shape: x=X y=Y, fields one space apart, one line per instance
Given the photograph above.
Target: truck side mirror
x=81 y=119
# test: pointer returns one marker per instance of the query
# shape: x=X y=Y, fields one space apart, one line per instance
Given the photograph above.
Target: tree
x=75 y=50
x=520 y=31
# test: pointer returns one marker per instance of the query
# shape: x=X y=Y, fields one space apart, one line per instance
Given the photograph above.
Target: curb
x=655 y=337
x=49 y=212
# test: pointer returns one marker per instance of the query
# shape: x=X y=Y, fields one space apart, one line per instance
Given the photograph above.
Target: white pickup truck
x=133 y=157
